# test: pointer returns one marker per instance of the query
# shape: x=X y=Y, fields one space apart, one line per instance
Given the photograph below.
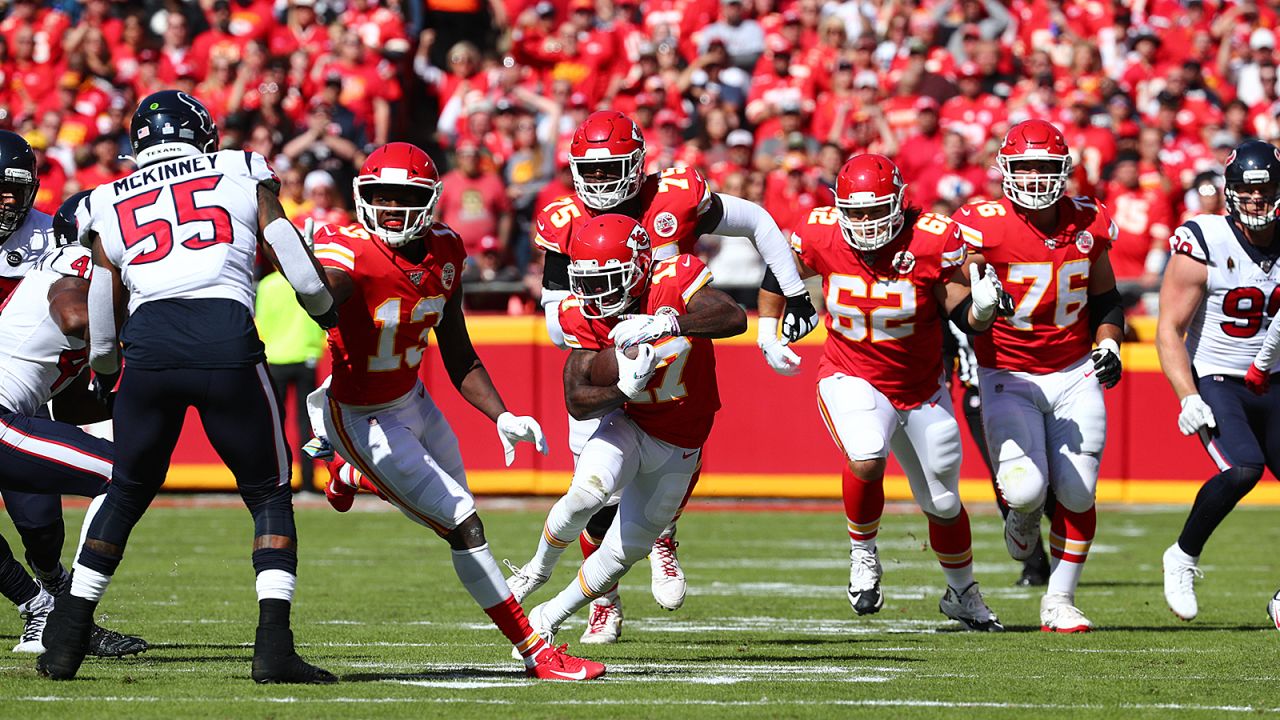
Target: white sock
x=566 y=520
x=959 y=578
x=88 y=584
x=275 y=585
x=868 y=545
x=1063 y=576
x=597 y=574
x=480 y=575
x=1178 y=553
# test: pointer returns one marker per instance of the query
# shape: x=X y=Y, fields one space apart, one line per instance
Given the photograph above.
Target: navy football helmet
x=169 y=124
x=17 y=175
x=66 y=228
x=1253 y=163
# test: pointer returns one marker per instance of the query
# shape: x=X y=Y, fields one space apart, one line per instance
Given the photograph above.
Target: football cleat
x=540 y=625
x=1035 y=569
x=1180 y=583
x=109 y=643
x=317 y=448
x=1273 y=609
x=969 y=609
x=34 y=619
x=553 y=663
x=1058 y=614
x=1022 y=533
x=667 y=582
x=604 y=626
x=340 y=495
x=275 y=661
x=66 y=638
x=864 y=581
x=523 y=583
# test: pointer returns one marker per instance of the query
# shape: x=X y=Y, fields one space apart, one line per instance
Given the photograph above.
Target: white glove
x=985 y=289
x=514 y=429
x=634 y=375
x=638 y=329
x=1195 y=415
x=781 y=358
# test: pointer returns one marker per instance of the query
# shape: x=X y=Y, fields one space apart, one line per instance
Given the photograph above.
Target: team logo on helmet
x=904 y=262
x=447 y=274
x=665 y=224
x=1084 y=241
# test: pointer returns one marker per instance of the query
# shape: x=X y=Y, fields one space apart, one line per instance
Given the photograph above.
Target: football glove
x=1106 y=363
x=1258 y=381
x=328 y=319
x=637 y=329
x=1195 y=414
x=317 y=448
x=104 y=386
x=799 y=319
x=634 y=375
x=513 y=429
x=781 y=358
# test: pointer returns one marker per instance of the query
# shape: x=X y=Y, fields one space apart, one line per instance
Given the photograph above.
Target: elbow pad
x=298 y=267
x=1106 y=309
x=960 y=316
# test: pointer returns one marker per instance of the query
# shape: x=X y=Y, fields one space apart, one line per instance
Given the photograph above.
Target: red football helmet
x=1034 y=141
x=405 y=165
x=608 y=264
x=867 y=182
x=607 y=159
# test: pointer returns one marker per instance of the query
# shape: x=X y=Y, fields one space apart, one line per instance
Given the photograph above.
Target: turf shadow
x=462 y=673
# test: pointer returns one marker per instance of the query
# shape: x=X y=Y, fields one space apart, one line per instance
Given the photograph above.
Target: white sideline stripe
x=906 y=703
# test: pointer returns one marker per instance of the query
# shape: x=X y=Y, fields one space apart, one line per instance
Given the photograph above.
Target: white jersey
x=182 y=229
x=36 y=360
x=1228 y=328
x=20 y=252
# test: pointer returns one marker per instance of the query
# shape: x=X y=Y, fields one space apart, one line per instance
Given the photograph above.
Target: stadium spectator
x=1143 y=217
x=951 y=181
x=474 y=202
x=106 y=166
x=742 y=36
x=326 y=208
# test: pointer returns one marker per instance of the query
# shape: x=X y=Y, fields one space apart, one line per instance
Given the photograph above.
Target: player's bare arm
x=285 y=248
x=712 y=314
x=1181 y=292
x=771 y=303
x=1105 y=312
x=582 y=399
x=341 y=286
x=463 y=364
x=69 y=306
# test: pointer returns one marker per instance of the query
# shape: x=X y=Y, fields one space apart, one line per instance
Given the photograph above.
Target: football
x=604 y=367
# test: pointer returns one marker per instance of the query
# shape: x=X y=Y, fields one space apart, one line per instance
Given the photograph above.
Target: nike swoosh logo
x=1089 y=373
x=690 y=454
x=580 y=675
x=1021 y=546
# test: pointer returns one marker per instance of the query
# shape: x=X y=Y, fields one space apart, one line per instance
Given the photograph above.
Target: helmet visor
x=1034 y=182
x=606 y=182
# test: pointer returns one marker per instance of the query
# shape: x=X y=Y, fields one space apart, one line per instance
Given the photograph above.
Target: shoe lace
x=1187 y=575
x=557 y=657
x=599 y=617
x=666 y=550
x=35 y=622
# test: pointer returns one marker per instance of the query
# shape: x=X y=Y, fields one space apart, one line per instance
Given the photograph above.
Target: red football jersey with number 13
x=1049 y=329
x=383 y=327
x=680 y=402
x=883 y=320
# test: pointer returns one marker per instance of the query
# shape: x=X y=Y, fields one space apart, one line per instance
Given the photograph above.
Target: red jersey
x=382 y=328
x=1144 y=219
x=884 y=322
x=671 y=203
x=1049 y=329
x=681 y=400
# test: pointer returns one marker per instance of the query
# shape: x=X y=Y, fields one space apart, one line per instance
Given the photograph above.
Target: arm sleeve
x=104 y=347
x=297 y=266
x=551 y=312
x=743 y=218
x=1266 y=358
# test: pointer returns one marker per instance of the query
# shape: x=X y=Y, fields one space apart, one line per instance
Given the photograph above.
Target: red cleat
x=340 y=493
x=554 y=663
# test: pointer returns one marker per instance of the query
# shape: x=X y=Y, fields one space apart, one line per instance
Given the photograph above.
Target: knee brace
x=944 y=506
x=1240 y=479
x=468 y=535
x=272 y=509
x=285 y=559
x=1021 y=483
x=44 y=545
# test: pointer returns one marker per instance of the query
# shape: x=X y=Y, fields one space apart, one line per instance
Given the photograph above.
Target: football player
x=1220 y=292
x=656 y=415
x=675 y=206
x=891 y=276
x=42 y=357
x=178 y=239
x=396 y=276
x=1040 y=376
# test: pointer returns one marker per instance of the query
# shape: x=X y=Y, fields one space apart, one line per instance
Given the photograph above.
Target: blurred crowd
x=766 y=97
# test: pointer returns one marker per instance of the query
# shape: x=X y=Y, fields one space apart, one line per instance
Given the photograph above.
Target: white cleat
x=969 y=609
x=1022 y=533
x=604 y=626
x=1273 y=609
x=864 y=581
x=33 y=622
x=1180 y=583
x=523 y=583
x=1058 y=614
x=540 y=626
x=667 y=582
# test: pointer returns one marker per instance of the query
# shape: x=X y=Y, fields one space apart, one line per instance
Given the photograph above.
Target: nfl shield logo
x=415 y=277
x=446 y=276
x=665 y=224
x=1084 y=241
x=904 y=262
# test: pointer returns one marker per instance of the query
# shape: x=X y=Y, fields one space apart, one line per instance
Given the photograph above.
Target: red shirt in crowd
x=1143 y=217
x=472 y=206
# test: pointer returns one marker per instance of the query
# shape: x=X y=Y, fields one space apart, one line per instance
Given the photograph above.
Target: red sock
x=863 y=506
x=953 y=544
x=1071 y=533
x=510 y=619
x=588 y=544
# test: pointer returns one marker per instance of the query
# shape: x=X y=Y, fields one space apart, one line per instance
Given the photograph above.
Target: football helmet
x=18 y=163
x=66 y=228
x=405 y=165
x=609 y=265
x=606 y=156
x=1028 y=141
x=1253 y=162
x=865 y=182
x=169 y=124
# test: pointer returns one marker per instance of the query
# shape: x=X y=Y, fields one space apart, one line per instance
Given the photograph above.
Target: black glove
x=1005 y=307
x=327 y=319
x=1106 y=365
x=103 y=388
x=799 y=319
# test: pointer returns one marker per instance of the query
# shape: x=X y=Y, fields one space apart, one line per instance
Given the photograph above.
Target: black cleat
x=866 y=602
x=66 y=637
x=274 y=660
x=1035 y=569
x=109 y=643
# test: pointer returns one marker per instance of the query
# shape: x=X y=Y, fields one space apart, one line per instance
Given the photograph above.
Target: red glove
x=1257 y=381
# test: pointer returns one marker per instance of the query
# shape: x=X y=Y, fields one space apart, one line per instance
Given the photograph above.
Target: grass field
x=765 y=632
